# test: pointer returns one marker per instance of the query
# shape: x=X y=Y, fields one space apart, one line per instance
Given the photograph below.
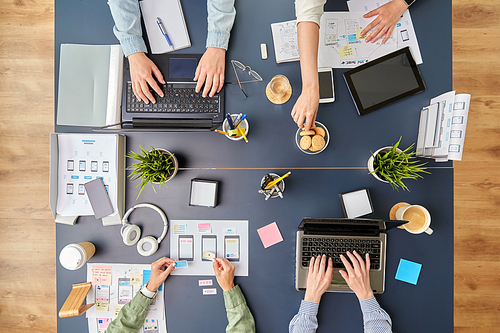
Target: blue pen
x=236 y=120
x=163 y=31
x=229 y=121
x=241 y=119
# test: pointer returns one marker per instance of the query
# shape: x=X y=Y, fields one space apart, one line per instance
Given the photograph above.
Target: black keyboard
x=178 y=98
x=334 y=247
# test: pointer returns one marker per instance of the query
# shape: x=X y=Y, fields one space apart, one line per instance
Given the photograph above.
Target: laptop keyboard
x=181 y=99
x=334 y=247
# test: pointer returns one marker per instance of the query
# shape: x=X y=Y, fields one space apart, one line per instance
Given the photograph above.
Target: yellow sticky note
x=345 y=51
x=102 y=306
x=358 y=34
x=136 y=279
x=117 y=310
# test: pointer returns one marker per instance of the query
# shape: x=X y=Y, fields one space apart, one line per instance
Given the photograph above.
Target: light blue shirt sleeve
x=305 y=320
x=127 y=29
x=375 y=319
x=221 y=14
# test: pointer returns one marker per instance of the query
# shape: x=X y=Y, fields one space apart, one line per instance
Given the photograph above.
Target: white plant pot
x=370 y=162
x=174 y=159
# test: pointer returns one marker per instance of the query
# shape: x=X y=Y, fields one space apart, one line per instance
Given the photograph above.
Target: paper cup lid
x=71 y=257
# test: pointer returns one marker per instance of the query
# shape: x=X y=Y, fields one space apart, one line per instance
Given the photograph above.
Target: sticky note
x=210 y=291
x=408 y=271
x=270 y=234
x=204 y=228
x=345 y=51
x=358 y=34
x=179 y=229
x=136 y=279
x=209 y=255
x=146 y=275
x=181 y=264
x=101 y=275
x=150 y=325
x=117 y=310
x=202 y=283
x=103 y=323
x=102 y=306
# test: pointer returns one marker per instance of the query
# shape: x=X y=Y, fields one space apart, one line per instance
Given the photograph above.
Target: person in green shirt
x=132 y=315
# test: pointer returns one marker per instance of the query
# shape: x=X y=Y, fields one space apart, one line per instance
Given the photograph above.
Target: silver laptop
x=335 y=236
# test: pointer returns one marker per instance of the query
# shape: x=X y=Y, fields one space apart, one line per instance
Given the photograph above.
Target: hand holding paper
x=224 y=272
x=159 y=273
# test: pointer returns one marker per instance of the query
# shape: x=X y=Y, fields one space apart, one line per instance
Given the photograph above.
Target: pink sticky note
x=270 y=235
x=203 y=225
x=101 y=275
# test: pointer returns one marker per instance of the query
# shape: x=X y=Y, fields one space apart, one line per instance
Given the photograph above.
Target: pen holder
x=275 y=191
x=235 y=134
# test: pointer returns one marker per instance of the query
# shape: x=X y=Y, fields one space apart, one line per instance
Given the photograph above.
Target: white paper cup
x=418 y=219
x=74 y=256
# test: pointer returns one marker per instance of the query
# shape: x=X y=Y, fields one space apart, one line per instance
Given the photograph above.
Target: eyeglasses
x=243 y=68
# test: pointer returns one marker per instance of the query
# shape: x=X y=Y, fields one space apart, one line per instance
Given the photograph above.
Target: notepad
x=172 y=17
x=408 y=271
x=270 y=235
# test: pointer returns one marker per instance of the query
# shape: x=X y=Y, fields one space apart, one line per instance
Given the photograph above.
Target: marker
x=229 y=121
x=163 y=31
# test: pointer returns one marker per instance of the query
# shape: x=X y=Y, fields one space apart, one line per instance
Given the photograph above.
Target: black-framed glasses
x=253 y=74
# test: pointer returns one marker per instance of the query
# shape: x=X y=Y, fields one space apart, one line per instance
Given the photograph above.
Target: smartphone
x=186 y=247
x=326 y=88
x=105 y=166
x=232 y=247
x=125 y=291
x=93 y=166
x=71 y=165
x=82 y=165
x=69 y=188
x=208 y=244
x=99 y=198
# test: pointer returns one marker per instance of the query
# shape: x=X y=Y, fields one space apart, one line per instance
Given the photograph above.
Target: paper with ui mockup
x=408 y=271
x=286 y=47
x=172 y=17
x=270 y=234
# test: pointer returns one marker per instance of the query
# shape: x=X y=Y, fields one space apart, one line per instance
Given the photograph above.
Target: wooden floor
x=27 y=231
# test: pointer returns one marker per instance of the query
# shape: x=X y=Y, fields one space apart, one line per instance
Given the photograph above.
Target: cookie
x=319 y=131
x=310 y=132
x=312 y=149
x=305 y=142
x=318 y=142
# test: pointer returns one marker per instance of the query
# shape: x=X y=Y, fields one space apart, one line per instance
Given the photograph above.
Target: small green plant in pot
x=392 y=165
x=156 y=166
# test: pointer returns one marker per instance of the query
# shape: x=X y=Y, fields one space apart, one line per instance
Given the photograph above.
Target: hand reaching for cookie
x=313 y=139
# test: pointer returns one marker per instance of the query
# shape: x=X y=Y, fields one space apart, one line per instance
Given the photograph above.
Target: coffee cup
x=74 y=256
x=418 y=219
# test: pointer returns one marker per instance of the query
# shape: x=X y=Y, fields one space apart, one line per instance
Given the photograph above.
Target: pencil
x=222 y=132
x=242 y=132
x=274 y=182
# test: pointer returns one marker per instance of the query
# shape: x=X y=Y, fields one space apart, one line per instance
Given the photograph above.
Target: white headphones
x=131 y=232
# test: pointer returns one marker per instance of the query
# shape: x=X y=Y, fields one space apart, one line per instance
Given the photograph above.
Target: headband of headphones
x=157 y=209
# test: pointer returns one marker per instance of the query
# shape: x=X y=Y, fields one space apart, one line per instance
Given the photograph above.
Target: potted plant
x=156 y=166
x=392 y=165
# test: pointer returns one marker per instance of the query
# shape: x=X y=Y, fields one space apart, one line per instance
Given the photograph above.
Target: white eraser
x=263 y=50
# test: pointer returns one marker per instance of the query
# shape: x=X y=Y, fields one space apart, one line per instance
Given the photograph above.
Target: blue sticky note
x=181 y=264
x=408 y=271
x=146 y=275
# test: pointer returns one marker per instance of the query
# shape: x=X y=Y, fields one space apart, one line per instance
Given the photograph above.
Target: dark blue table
x=311 y=190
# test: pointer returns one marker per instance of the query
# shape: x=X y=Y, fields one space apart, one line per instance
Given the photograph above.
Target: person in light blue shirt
x=357 y=276
x=127 y=29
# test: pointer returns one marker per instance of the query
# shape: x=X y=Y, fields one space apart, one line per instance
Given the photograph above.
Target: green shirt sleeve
x=131 y=316
x=238 y=314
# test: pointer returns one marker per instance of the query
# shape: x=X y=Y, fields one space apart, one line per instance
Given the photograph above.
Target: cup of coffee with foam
x=418 y=219
x=74 y=256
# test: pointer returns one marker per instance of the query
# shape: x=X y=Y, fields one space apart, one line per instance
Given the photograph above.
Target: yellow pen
x=274 y=182
x=242 y=132
x=222 y=132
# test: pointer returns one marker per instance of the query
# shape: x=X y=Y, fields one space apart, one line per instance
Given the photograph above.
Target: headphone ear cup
x=131 y=234
x=147 y=240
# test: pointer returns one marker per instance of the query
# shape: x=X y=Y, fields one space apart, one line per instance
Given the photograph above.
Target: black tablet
x=384 y=80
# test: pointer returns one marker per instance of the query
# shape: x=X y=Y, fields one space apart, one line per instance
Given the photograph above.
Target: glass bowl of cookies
x=313 y=141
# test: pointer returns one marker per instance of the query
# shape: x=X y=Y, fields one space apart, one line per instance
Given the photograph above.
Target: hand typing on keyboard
x=357 y=275
x=210 y=71
x=142 y=70
x=319 y=277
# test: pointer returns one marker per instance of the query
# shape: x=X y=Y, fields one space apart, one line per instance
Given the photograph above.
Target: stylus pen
x=163 y=31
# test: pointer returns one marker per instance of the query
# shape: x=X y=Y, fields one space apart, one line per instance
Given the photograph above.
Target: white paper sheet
x=286 y=47
x=218 y=228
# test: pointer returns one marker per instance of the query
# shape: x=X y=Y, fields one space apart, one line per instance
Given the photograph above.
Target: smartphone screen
x=232 y=248
x=186 y=246
x=125 y=291
x=93 y=166
x=71 y=165
x=325 y=85
x=208 y=244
